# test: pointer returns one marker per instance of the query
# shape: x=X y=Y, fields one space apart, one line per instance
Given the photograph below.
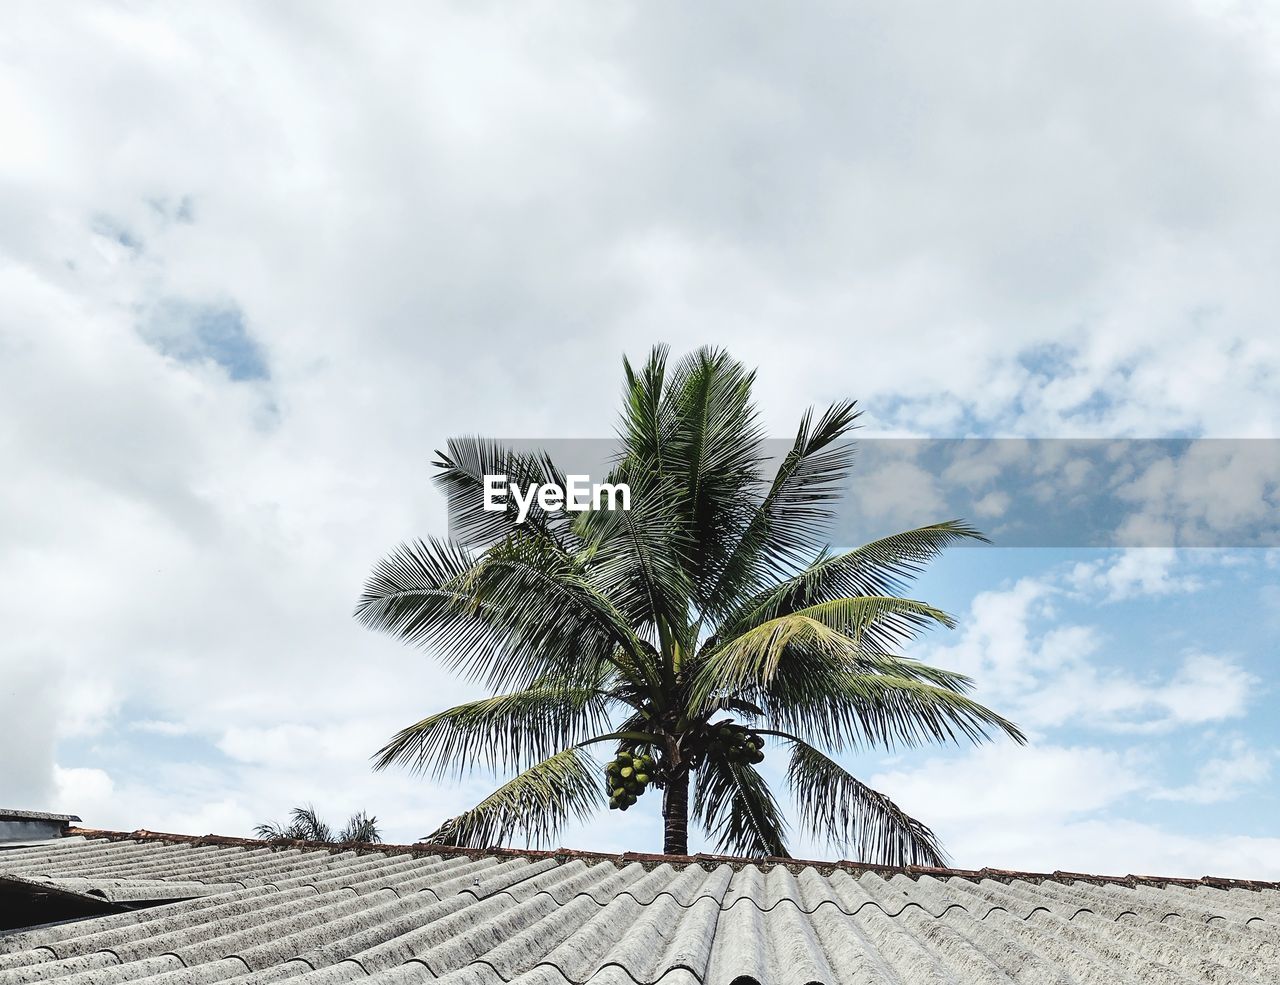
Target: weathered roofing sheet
x=309 y=916
x=7 y=814
x=31 y=826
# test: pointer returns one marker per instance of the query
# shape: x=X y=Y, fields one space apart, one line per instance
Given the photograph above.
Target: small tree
x=684 y=633
x=305 y=825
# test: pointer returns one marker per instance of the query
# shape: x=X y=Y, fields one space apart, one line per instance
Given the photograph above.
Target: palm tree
x=683 y=633
x=305 y=825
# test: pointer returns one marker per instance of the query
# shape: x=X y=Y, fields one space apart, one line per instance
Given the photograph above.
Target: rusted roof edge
x=626 y=858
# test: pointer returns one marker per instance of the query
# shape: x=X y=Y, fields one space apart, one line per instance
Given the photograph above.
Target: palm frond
x=837 y=806
x=536 y=804
x=270 y=831
x=633 y=555
x=304 y=825
x=419 y=593
x=361 y=829
x=505 y=732
x=841 y=631
x=461 y=475
x=734 y=805
x=809 y=674
x=554 y=614
x=882 y=567
x=788 y=527
x=715 y=453
x=306 y=819
x=646 y=424
x=519 y=612
x=912 y=668
x=848 y=709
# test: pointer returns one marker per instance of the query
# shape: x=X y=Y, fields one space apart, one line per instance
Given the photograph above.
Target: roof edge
x=12 y=815
x=625 y=858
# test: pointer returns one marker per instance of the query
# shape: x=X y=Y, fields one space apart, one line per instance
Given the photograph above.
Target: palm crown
x=681 y=633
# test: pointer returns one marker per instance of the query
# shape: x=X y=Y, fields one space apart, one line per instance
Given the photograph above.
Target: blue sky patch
x=194 y=332
x=117 y=232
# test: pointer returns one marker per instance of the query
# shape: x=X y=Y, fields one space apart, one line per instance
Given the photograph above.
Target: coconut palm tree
x=708 y=624
x=305 y=825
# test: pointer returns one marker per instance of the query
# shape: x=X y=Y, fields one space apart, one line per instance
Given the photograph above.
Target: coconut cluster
x=736 y=743
x=628 y=775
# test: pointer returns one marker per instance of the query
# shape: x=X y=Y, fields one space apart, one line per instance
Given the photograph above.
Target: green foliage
x=686 y=631
x=305 y=825
x=835 y=805
x=536 y=802
x=735 y=806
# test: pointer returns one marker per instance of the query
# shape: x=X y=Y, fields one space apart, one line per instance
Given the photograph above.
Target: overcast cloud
x=258 y=260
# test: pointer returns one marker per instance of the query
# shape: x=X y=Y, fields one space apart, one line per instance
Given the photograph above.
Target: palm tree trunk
x=675 y=815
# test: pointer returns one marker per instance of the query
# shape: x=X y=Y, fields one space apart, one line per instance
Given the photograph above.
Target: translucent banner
x=1209 y=492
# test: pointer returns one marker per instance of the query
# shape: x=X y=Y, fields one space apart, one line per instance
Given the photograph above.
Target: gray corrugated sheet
x=312 y=916
x=12 y=815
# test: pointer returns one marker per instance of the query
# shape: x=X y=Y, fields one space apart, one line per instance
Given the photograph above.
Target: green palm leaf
x=517 y=613
x=837 y=806
x=361 y=829
x=461 y=475
x=839 y=631
x=633 y=554
x=534 y=804
x=882 y=567
x=735 y=806
x=788 y=527
x=847 y=709
x=504 y=732
x=647 y=422
x=714 y=450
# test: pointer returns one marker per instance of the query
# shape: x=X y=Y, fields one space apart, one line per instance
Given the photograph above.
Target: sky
x=259 y=261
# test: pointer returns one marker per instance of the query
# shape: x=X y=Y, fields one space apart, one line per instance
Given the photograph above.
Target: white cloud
x=1216 y=492
x=1201 y=690
x=1206 y=688
x=995 y=645
x=1121 y=846
x=1044 y=808
x=992 y=504
x=346 y=742
x=1022 y=786
x=29 y=709
x=899 y=494
x=1134 y=573
x=1046 y=673
x=91 y=790
x=157 y=727
x=1223 y=777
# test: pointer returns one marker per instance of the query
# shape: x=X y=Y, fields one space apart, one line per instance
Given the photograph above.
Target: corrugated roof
x=322 y=916
x=12 y=815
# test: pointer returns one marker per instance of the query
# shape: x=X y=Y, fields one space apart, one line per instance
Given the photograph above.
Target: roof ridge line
x=647 y=858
